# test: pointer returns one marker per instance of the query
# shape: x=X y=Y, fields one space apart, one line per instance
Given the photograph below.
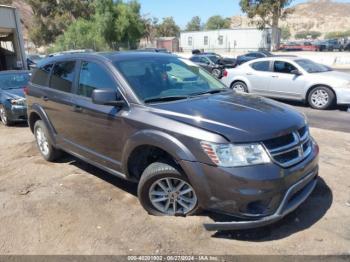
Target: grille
x=290 y=149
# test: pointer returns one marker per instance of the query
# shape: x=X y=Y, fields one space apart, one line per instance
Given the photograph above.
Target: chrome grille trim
x=293 y=152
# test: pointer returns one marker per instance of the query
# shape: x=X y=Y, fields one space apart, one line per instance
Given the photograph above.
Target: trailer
x=12 y=53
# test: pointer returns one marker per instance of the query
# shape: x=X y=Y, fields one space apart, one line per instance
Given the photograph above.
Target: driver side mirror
x=296 y=72
x=107 y=97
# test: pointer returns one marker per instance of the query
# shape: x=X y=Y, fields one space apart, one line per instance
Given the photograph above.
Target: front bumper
x=294 y=197
x=254 y=195
x=343 y=96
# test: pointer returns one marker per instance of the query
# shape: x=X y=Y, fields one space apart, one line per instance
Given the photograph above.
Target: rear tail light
x=26 y=90
x=225 y=74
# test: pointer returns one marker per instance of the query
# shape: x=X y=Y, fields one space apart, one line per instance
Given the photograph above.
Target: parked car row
x=189 y=141
x=319 y=45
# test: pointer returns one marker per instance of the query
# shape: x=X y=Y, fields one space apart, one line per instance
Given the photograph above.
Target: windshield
x=312 y=67
x=13 y=81
x=214 y=58
x=154 y=77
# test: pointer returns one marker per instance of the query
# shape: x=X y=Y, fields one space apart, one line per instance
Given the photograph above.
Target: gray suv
x=188 y=141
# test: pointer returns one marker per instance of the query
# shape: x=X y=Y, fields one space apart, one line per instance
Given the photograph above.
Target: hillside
x=319 y=15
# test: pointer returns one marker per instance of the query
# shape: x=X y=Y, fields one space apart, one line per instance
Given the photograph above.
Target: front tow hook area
x=293 y=198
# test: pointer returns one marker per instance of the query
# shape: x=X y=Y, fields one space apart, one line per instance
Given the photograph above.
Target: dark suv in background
x=167 y=124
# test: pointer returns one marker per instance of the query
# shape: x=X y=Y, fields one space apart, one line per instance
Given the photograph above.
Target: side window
x=41 y=75
x=283 y=67
x=261 y=66
x=204 y=60
x=189 y=41
x=195 y=59
x=93 y=76
x=206 y=40
x=62 y=76
x=221 y=40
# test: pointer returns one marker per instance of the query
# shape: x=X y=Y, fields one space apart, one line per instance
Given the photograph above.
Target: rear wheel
x=321 y=97
x=240 y=87
x=47 y=150
x=216 y=72
x=4 y=118
x=164 y=191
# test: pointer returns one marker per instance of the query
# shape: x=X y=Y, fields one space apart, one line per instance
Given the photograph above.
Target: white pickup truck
x=12 y=54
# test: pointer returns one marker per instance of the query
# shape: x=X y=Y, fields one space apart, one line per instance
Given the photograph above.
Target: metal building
x=12 y=55
x=226 y=40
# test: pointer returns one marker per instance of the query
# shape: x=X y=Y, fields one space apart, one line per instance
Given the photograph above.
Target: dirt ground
x=73 y=208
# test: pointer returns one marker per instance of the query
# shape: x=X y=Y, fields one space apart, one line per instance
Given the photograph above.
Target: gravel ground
x=73 y=208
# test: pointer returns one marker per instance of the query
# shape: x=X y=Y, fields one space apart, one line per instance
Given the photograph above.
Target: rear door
x=284 y=84
x=259 y=75
x=99 y=130
x=57 y=99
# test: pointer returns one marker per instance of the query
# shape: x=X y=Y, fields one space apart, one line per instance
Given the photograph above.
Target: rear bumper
x=293 y=198
x=17 y=113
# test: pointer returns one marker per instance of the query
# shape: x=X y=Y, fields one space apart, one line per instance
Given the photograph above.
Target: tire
x=321 y=98
x=217 y=73
x=149 y=191
x=47 y=150
x=4 y=118
x=240 y=87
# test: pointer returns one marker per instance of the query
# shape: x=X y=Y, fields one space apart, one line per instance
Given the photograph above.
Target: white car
x=291 y=78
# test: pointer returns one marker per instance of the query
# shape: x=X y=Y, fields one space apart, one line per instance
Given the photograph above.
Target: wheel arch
x=245 y=81
x=161 y=144
x=37 y=113
x=312 y=87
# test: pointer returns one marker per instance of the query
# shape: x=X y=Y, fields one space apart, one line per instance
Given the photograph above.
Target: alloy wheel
x=216 y=73
x=172 y=196
x=43 y=143
x=319 y=98
x=239 y=87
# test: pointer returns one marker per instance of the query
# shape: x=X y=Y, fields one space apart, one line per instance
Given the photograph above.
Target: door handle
x=275 y=76
x=77 y=109
x=45 y=98
x=249 y=74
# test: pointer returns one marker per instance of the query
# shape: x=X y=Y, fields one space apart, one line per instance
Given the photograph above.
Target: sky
x=184 y=10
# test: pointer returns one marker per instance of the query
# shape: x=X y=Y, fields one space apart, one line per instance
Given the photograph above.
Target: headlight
x=18 y=102
x=229 y=155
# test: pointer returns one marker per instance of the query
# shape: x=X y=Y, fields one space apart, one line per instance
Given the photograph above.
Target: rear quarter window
x=41 y=75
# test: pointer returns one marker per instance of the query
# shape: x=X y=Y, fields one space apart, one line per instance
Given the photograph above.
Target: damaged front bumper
x=293 y=198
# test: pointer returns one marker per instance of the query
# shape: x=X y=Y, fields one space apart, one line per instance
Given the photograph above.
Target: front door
x=284 y=83
x=99 y=133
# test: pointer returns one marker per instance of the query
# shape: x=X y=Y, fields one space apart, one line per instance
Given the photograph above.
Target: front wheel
x=321 y=98
x=164 y=191
x=240 y=87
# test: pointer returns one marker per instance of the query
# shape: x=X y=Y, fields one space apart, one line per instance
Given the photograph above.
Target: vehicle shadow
x=124 y=185
x=310 y=212
x=306 y=106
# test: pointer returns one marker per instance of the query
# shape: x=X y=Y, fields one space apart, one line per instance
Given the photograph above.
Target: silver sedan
x=291 y=78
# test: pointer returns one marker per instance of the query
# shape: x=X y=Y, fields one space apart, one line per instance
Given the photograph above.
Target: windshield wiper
x=210 y=92
x=165 y=99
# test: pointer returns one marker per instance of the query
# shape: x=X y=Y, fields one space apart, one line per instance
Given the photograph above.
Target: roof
x=281 y=58
x=14 y=72
x=111 y=56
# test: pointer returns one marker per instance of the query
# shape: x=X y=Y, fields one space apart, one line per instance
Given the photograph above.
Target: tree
x=307 y=35
x=337 y=34
x=218 y=22
x=150 y=28
x=6 y=2
x=168 y=27
x=267 y=13
x=115 y=24
x=52 y=17
x=194 y=24
x=285 y=33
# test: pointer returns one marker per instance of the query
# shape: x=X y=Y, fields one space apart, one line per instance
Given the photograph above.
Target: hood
x=13 y=93
x=237 y=117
